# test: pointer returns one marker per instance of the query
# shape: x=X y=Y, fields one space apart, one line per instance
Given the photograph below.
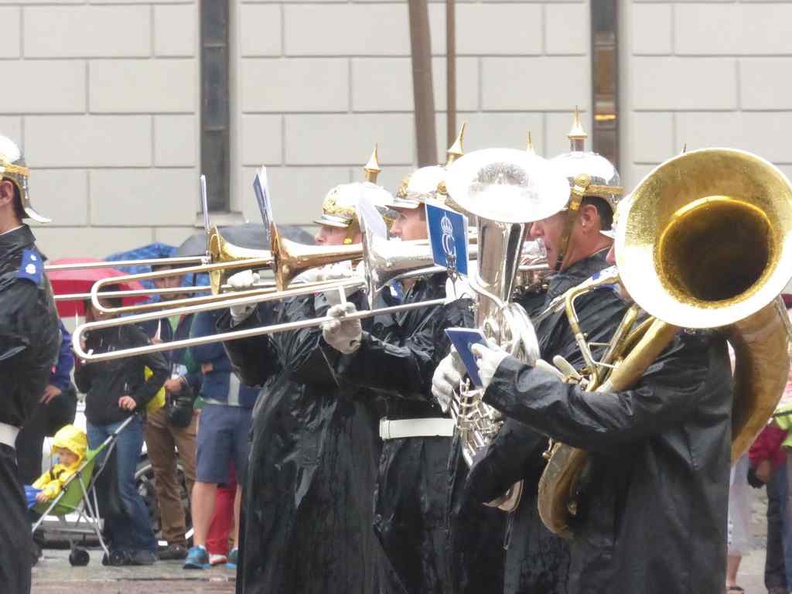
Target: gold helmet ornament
x=603 y=178
x=589 y=175
x=13 y=168
x=339 y=208
x=427 y=182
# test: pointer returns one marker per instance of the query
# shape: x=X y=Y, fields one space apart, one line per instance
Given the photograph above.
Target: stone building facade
x=106 y=97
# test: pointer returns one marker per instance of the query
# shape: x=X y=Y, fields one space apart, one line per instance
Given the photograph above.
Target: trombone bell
x=221 y=250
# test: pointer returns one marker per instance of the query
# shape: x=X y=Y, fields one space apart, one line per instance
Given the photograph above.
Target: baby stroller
x=78 y=497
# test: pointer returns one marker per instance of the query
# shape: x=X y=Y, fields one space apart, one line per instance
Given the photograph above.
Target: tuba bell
x=705 y=241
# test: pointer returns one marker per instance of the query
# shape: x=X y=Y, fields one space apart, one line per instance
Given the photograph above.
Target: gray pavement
x=54 y=575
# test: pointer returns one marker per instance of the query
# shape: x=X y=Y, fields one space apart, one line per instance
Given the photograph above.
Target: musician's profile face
x=409 y=224
x=329 y=235
x=550 y=231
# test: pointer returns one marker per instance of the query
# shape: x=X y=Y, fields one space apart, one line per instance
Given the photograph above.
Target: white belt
x=416 y=428
x=8 y=434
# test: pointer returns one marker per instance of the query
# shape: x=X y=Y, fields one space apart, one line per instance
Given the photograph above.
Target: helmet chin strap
x=352 y=231
x=579 y=188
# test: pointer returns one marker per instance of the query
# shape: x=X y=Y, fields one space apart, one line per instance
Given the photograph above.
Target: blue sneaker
x=233 y=555
x=197 y=558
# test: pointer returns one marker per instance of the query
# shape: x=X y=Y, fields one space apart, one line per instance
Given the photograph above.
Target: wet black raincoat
x=537 y=561
x=397 y=358
x=307 y=519
x=652 y=517
x=29 y=341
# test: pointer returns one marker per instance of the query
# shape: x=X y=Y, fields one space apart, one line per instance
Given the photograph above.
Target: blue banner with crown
x=448 y=234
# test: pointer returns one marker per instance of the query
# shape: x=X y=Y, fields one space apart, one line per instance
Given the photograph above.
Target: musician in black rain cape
x=307 y=512
x=537 y=561
x=652 y=502
x=29 y=340
x=396 y=358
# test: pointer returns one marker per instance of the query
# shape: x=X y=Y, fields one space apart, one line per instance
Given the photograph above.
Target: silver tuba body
x=506 y=190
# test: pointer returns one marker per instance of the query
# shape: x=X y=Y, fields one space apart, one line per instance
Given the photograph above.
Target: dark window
x=215 y=154
x=605 y=78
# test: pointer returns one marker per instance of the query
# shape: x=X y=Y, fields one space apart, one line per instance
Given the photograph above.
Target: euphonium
x=506 y=189
x=703 y=242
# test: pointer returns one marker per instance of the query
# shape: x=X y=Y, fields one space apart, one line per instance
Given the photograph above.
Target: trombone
x=341 y=286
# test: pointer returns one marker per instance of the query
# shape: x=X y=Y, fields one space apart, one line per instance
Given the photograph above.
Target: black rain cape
x=307 y=511
x=29 y=341
x=397 y=359
x=537 y=561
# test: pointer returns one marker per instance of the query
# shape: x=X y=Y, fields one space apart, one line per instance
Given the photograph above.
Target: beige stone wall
x=103 y=96
x=320 y=82
x=705 y=74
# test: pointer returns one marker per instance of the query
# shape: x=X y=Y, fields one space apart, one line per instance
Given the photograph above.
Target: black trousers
x=775 y=574
x=16 y=542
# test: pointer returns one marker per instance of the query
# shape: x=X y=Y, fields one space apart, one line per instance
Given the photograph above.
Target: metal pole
x=450 y=72
x=423 y=92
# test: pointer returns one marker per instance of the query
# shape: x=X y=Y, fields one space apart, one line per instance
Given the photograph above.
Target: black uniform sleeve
x=515 y=454
x=406 y=370
x=252 y=359
x=668 y=392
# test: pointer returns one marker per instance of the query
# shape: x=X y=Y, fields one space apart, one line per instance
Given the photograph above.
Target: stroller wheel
x=79 y=557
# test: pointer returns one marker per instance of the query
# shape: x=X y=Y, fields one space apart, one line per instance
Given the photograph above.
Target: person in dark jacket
x=116 y=390
x=652 y=514
x=537 y=561
x=171 y=438
x=223 y=437
x=29 y=339
x=396 y=359
x=307 y=511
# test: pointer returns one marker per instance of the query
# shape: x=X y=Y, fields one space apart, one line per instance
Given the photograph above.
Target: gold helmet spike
x=577 y=135
x=530 y=146
x=455 y=150
x=372 y=169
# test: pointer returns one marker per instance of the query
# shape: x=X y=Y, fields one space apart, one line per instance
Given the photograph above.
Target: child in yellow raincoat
x=70 y=445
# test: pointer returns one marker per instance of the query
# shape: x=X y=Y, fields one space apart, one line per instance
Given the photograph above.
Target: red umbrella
x=80 y=280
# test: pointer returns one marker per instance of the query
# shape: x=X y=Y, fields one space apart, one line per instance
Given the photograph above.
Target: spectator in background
x=223 y=437
x=56 y=409
x=116 y=390
x=222 y=525
x=768 y=467
x=171 y=430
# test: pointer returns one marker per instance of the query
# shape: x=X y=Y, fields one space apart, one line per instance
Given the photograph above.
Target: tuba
x=733 y=211
x=505 y=189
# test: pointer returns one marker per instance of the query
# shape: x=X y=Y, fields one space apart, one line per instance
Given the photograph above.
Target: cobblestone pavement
x=54 y=575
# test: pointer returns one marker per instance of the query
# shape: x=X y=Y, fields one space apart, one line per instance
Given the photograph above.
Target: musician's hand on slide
x=488 y=358
x=446 y=379
x=242 y=281
x=342 y=334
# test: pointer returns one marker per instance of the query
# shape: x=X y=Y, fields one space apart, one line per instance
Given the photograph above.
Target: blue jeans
x=131 y=531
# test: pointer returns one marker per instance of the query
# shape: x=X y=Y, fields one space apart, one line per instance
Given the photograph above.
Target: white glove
x=341 y=271
x=242 y=281
x=487 y=360
x=458 y=288
x=447 y=378
x=341 y=334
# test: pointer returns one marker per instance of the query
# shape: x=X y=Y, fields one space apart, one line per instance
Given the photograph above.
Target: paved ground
x=54 y=575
